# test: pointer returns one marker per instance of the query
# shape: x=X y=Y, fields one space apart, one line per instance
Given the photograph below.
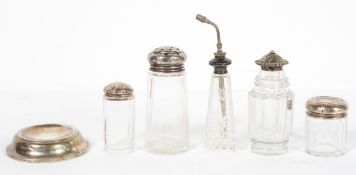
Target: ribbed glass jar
x=221 y=131
x=270 y=113
x=326 y=126
x=167 y=126
x=167 y=129
x=119 y=114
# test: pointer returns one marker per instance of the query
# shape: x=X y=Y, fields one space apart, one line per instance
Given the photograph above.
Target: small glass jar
x=167 y=127
x=270 y=107
x=326 y=126
x=119 y=114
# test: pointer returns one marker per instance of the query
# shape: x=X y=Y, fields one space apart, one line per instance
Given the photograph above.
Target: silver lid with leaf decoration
x=326 y=107
x=167 y=59
x=118 y=91
x=271 y=62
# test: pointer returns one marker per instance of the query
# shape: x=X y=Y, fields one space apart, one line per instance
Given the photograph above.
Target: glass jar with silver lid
x=326 y=126
x=270 y=107
x=119 y=113
x=167 y=130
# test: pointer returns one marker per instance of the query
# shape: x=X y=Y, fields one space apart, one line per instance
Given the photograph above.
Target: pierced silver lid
x=326 y=107
x=118 y=90
x=271 y=62
x=167 y=59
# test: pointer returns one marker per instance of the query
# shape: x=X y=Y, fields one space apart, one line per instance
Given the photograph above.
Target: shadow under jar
x=326 y=126
x=167 y=128
x=270 y=107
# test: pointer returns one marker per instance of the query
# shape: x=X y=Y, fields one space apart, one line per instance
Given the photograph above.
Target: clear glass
x=119 y=124
x=220 y=132
x=167 y=127
x=270 y=113
x=325 y=137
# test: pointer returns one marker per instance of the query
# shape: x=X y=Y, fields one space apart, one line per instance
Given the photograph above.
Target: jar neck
x=225 y=75
x=165 y=74
x=271 y=79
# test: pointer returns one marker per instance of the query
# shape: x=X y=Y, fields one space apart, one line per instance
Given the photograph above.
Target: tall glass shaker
x=220 y=131
x=119 y=113
x=270 y=107
x=167 y=127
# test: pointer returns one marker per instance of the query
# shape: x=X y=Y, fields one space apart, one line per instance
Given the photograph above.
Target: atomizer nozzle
x=204 y=19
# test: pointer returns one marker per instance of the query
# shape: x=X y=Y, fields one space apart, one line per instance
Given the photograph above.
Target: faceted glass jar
x=119 y=114
x=270 y=111
x=325 y=137
x=167 y=127
x=220 y=132
x=326 y=126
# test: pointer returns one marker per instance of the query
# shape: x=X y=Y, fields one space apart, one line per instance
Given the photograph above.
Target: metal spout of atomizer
x=219 y=62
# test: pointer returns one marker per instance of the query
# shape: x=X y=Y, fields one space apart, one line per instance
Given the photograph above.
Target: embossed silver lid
x=118 y=90
x=167 y=59
x=326 y=107
x=271 y=62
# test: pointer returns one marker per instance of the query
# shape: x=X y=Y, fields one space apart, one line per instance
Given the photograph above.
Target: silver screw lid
x=326 y=107
x=271 y=62
x=118 y=90
x=167 y=59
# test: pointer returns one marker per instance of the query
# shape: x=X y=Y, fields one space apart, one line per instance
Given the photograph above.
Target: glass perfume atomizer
x=220 y=131
x=167 y=127
x=270 y=107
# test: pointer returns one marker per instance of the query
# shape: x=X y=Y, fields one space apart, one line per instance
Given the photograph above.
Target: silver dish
x=47 y=143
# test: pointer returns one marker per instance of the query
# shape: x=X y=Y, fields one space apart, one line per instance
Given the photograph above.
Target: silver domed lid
x=326 y=107
x=167 y=59
x=118 y=90
x=272 y=62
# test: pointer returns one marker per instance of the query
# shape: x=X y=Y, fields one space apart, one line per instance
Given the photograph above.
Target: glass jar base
x=326 y=154
x=325 y=150
x=269 y=148
x=221 y=144
x=119 y=150
x=166 y=151
x=166 y=145
x=227 y=148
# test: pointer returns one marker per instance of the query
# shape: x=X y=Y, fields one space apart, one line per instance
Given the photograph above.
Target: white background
x=78 y=45
x=56 y=56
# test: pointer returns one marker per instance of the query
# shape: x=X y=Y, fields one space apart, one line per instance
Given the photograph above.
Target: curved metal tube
x=203 y=19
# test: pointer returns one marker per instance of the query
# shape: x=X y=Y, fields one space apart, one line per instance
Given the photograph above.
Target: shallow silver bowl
x=47 y=143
